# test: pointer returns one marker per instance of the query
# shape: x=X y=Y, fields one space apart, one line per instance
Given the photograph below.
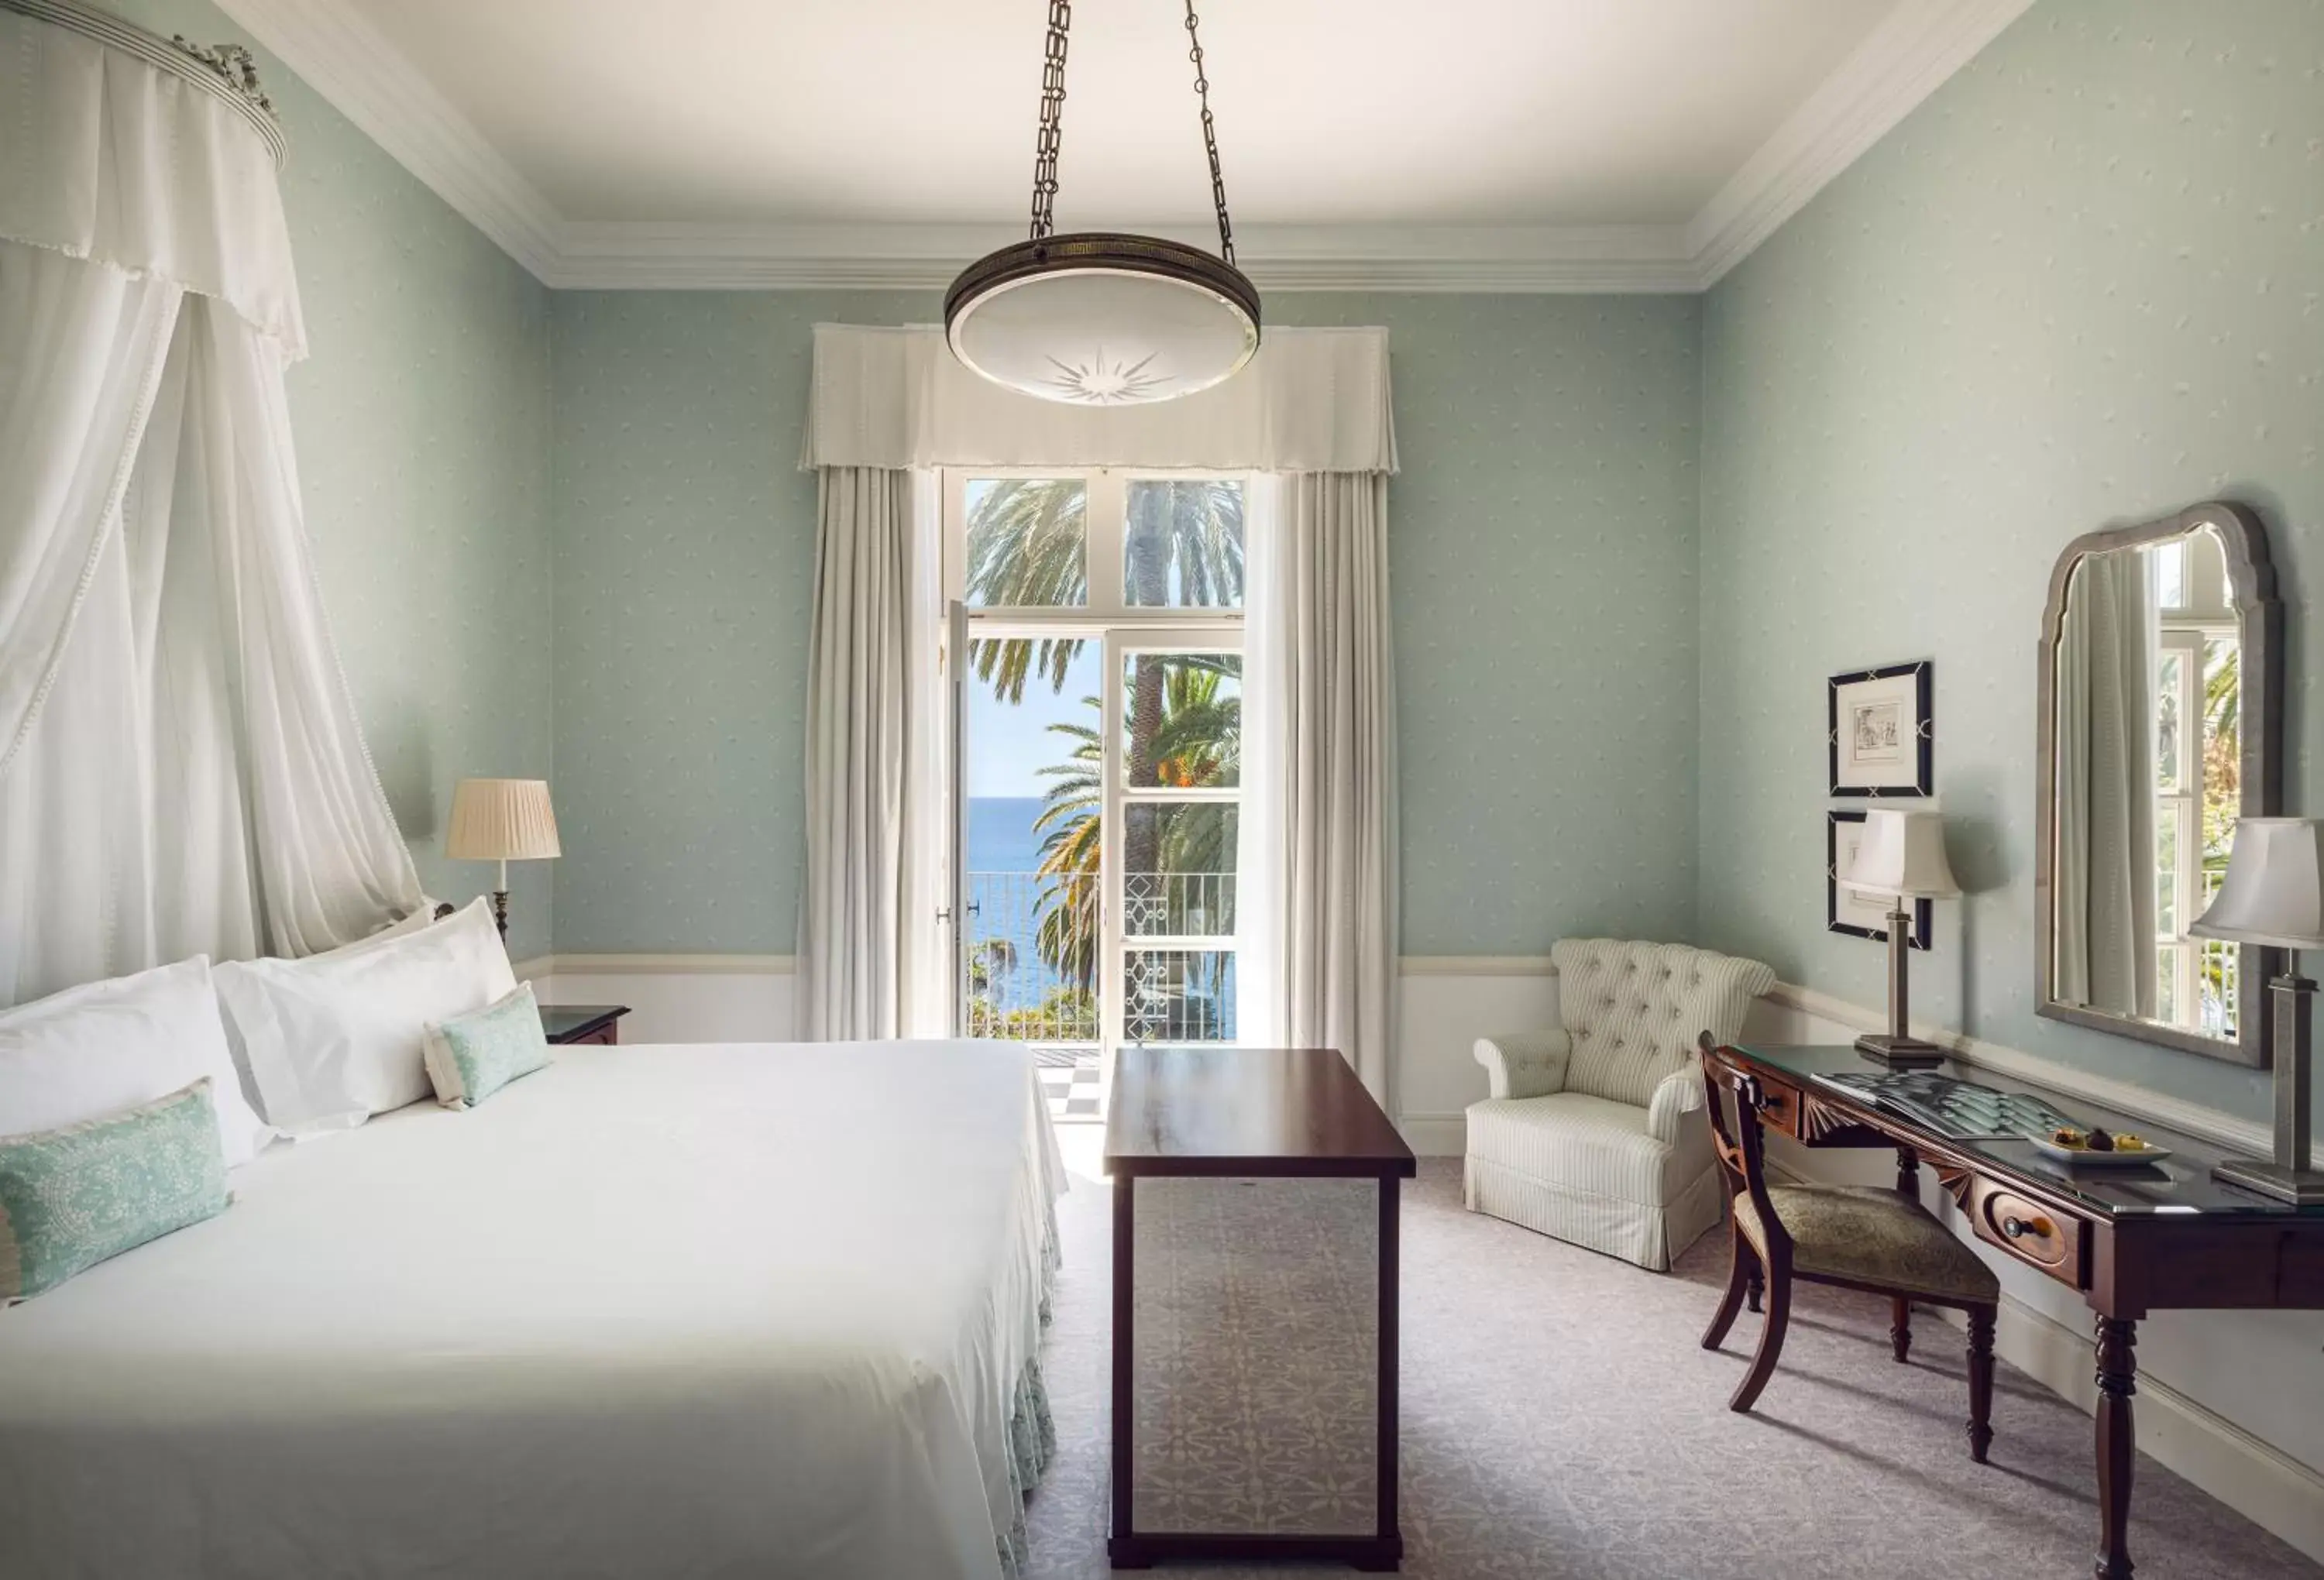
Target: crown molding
x=351 y=64
x=631 y=255
x=1906 y=58
x=371 y=82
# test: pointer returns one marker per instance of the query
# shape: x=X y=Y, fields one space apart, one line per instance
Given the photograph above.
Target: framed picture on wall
x=1883 y=739
x=1849 y=911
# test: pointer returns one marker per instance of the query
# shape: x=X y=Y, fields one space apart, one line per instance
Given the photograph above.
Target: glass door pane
x=1033 y=886
x=1182 y=544
x=1176 y=740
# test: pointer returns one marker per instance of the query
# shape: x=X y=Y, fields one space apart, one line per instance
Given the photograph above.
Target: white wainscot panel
x=1447 y=1003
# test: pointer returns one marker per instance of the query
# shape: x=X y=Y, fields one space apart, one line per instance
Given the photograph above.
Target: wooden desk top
x=2179 y=1187
x=1290 y=1112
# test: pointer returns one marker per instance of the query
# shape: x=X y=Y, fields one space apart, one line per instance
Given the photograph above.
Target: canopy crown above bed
x=181 y=769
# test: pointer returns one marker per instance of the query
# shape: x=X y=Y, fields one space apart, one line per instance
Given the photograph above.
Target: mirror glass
x=2147 y=661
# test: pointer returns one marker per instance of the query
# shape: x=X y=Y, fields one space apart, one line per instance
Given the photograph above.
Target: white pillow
x=333 y=1039
x=98 y=1049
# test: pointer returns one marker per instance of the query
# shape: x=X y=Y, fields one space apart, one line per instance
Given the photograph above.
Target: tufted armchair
x=1594 y=1132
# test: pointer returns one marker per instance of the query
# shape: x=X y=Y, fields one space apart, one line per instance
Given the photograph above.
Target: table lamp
x=1902 y=854
x=2273 y=895
x=503 y=821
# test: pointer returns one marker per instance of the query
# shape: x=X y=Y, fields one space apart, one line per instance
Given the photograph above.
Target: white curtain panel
x=2103 y=931
x=1319 y=842
x=180 y=768
x=869 y=962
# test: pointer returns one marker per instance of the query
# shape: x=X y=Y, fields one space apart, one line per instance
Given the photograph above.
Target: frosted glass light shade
x=501 y=820
x=1902 y=853
x=1098 y=319
x=2273 y=893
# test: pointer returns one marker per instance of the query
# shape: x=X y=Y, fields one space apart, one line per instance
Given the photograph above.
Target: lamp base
x=499 y=910
x=1900 y=1052
x=2300 y=1186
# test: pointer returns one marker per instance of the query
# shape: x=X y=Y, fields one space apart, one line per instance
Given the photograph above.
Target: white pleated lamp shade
x=501 y=820
x=2273 y=892
x=1902 y=853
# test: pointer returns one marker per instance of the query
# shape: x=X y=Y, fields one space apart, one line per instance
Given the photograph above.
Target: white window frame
x=1121 y=631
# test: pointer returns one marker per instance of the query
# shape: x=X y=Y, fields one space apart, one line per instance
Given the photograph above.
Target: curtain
x=1319 y=832
x=2105 y=919
x=870 y=961
x=180 y=768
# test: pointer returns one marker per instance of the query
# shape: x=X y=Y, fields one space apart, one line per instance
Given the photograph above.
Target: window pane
x=1178 y=996
x=2166 y=721
x=1027 y=544
x=2166 y=878
x=1182 y=720
x=1177 y=875
x=1182 y=544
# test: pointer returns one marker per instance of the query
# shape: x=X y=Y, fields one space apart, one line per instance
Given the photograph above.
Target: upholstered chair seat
x=1594 y=1132
x=1865 y=1235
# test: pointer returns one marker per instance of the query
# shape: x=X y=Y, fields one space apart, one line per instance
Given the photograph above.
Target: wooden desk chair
x=1859 y=1237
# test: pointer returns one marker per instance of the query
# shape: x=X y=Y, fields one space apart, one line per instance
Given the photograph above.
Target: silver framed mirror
x=2161 y=703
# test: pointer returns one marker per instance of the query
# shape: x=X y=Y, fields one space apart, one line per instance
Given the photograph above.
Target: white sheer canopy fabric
x=2106 y=919
x=868 y=960
x=1318 y=848
x=1312 y=400
x=181 y=770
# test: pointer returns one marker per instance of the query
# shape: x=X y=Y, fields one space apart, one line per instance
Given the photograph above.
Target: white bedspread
x=745 y=1309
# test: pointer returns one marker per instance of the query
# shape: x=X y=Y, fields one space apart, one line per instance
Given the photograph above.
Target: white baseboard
x=1434 y=1135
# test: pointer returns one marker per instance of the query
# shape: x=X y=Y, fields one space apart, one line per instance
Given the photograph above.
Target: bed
x=700 y=1310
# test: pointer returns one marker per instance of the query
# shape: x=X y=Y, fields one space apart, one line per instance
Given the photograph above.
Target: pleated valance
x=149 y=171
x=1312 y=400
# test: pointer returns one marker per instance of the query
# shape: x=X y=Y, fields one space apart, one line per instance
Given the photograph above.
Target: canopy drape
x=1311 y=400
x=181 y=770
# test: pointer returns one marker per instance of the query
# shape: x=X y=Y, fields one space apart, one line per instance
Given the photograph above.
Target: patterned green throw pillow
x=71 y=1198
x=473 y=1057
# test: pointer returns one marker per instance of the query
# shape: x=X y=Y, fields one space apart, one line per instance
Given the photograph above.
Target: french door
x=1095 y=653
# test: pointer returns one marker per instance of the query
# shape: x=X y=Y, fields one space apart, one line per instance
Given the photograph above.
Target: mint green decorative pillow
x=71 y=1198
x=471 y=1058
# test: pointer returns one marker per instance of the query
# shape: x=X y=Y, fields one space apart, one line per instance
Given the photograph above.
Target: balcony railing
x=1034 y=955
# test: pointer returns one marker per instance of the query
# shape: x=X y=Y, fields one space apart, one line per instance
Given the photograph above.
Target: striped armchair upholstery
x=1594 y=1132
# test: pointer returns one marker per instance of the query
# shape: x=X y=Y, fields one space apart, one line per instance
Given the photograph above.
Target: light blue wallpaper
x=1543 y=537
x=2078 y=285
x=423 y=421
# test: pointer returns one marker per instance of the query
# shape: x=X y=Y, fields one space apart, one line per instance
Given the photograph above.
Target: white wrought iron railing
x=1034 y=948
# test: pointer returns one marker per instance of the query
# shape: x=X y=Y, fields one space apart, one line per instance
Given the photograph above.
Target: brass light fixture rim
x=1102 y=253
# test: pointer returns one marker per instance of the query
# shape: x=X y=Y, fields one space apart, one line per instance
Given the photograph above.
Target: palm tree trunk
x=1147 y=548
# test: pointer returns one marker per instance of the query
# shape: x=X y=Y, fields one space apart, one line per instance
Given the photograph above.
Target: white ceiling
x=1518 y=143
x=1329 y=112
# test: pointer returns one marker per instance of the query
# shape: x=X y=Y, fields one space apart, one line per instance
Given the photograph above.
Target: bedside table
x=582 y=1023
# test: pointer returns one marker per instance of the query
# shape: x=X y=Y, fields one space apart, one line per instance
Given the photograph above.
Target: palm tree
x=1198 y=744
x=1182 y=548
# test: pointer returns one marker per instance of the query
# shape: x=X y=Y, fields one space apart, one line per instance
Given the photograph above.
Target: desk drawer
x=2028 y=1231
x=1779 y=1107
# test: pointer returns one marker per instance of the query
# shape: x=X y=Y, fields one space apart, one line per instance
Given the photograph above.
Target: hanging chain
x=1053 y=105
x=1210 y=136
x=1053 y=102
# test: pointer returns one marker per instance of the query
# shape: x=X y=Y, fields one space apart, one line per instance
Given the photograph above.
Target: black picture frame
x=1924 y=912
x=1922 y=675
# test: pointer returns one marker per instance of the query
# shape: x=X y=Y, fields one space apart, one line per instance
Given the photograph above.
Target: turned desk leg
x=2117 y=1443
x=1900 y=1323
x=1755 y=1284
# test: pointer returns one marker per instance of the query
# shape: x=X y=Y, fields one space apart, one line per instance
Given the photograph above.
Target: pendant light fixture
x=1097 y=318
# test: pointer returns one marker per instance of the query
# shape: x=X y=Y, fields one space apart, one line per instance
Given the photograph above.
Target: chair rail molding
x=353 y=65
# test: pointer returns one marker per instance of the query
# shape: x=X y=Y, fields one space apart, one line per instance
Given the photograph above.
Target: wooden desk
x=2162 y=1236
x=1233 y=1114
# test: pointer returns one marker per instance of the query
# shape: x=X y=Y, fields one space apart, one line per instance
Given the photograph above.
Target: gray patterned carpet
x=1559 y=1420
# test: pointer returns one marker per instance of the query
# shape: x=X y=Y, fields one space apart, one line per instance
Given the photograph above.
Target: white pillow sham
x=333 y=1039
x=104 y=1048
